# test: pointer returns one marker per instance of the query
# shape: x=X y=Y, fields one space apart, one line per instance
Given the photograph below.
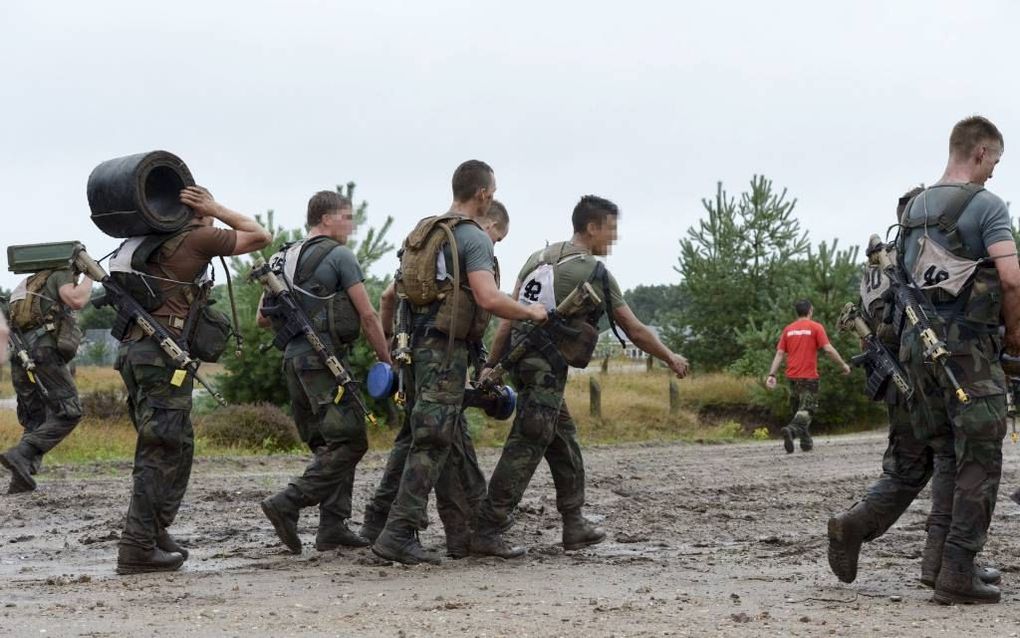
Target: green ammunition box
x=29 y=258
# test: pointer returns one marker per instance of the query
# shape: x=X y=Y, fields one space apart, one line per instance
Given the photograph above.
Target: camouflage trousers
x=161 y=413
x=335 y=433
x=459 y=489
x=907 y=466
x=542 y=428
x=965 y=438
x=47 y=419
x=804 y=404
x=432 y=424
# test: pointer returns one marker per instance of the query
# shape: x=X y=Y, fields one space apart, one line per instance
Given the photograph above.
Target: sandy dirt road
x=704 y=540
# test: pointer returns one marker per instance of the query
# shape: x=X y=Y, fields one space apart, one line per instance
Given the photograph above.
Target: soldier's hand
x=385 y=358
x=537 y=313
x=679 y=365
x=487 y=375
x=770 y=382
x=199 y=200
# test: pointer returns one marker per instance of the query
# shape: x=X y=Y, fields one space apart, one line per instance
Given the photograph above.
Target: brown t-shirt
x=197 y=249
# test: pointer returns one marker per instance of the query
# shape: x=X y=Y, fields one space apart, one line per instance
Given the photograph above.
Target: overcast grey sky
x=846 y=104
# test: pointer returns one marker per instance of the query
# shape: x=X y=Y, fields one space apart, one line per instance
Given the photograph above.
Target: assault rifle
x=878 y=362
x=402 y=353
x=129 y=310
x=296 y=322
x=556 y=323
x=20 y=350
x=913 y=303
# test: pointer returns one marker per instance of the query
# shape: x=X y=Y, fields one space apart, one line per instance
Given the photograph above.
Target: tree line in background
x=742 y=266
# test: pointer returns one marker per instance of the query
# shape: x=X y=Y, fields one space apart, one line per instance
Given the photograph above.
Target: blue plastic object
x=382 y=381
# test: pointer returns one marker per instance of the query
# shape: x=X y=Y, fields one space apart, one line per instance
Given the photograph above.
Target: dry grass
x=635 y=407
x=88 y=378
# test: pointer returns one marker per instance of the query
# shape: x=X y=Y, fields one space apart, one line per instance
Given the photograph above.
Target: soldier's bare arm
x=491 y=299
x=387 y=308
x=645 y=339
x=250 y=234
x=502 y=336
x=76 y=296
x=370 y=321
x=770 y=381
x=833 y=354
x=1004 y=253
x=4 y=333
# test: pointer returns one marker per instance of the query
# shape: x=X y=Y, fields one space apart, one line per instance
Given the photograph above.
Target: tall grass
x=635 y=407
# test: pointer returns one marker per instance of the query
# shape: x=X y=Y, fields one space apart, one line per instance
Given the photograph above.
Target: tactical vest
x=961 y=286
x=330 y=311
x=424 y=282
x=141 y=263
x=35 y=314
x=577 y=343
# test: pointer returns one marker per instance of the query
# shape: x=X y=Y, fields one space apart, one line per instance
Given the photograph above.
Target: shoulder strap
x=312 y=253
x=601 y=273
x=950 y=217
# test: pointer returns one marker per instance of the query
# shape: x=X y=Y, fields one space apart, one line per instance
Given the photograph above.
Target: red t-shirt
x=801 y=342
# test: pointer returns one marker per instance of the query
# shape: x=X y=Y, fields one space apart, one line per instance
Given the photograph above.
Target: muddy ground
x=718 y=540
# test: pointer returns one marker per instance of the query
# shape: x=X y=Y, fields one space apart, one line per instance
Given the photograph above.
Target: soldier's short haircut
x=971 y=132
x=324 y=203
x=497 y=215
x=469 y=178
x=590 y=209
x=803 y=307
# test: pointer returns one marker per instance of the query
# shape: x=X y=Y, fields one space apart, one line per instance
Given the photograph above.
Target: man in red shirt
x=799 y=345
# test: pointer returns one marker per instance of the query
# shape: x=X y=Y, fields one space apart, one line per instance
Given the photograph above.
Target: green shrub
x=105 y=404
x=254 y=426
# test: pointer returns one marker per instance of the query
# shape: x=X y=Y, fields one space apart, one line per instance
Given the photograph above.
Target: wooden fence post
x=674 y=397
x=605 y=364
x=595 y=397
x=649 y=362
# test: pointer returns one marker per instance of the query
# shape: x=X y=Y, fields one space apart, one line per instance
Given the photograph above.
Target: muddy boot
x=787 y=439
x=806 y=443
x=169 y=544
x=508 y=523
x=931 y=561
x=579 y=532
x=847 y=531
x=491 y=543
x=18 y=460
x=334 y=533
x=957 y=581
x=458 y=544
x=402 y=546
x=135 y=560
x=373 y=525
x=282 y=511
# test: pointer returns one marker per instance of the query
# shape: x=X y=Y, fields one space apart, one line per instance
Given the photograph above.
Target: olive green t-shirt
x=570 y=271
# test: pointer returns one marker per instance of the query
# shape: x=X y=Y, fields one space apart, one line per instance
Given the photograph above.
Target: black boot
x=957 y=581
x=19 y=460
x=402 y=546
x=847 y=531
x=787 y=439
x=282 y=511
x=169 y=544
x=373 y=525
x=458 y=543
x=579 y=532
x=334 y=533
x=135 y=560
x=487 y=542
x=931 y=561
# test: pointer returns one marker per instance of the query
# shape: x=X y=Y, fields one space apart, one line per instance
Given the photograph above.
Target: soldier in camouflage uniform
x=159 y=400
x=441 y=330
x=956 y=245
x=907 y=465
x=542 y=426
x=48 y=407
x=460 y=488
x=328 y=284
